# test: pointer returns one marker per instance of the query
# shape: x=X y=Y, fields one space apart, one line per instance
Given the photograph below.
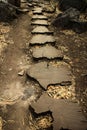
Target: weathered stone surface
x=41 y=30
x=66 y=114
x=78 y=4
x=70 y=20
x=42 y=39
x=40 y=22
x=65 y=19
x=5 y=12
x=48 y=52
x=47 y=74
x=21 y=73
x=40 y=17
x=37 y=10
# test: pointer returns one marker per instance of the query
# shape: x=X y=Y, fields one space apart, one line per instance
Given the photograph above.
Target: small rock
x=21 y=73
x=30 y=5
x=10 y=69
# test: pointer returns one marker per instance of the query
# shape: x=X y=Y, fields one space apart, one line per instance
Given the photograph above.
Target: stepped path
x=66 y=114
x=37 y=84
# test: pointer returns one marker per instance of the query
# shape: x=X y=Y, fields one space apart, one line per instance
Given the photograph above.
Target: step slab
x=39 y=17
x=42 y=39
x=66 y=114
x=48 y=52
x=40 y=22
x=41 y=30
x=47 y=74
x=37 y=10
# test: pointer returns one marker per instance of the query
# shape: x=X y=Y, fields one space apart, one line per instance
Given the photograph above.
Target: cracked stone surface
x=41 y=30
x=47 y=74
x=42 y=39
x=40 y=17
x=40 y=22
x=66 y=114
x=48 y=52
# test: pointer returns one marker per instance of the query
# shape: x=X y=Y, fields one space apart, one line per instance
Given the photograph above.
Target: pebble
x=21 y=73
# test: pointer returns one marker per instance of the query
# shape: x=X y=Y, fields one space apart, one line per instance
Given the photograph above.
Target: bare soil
x=14 y=60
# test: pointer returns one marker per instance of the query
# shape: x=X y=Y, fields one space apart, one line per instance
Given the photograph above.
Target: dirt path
x=15 y=58
x=14 y=61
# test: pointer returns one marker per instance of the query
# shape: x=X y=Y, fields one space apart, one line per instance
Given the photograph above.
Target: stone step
x=40 y=22
x=42 y=39
x=66 y=114
x=37 y=10
x=41 y=30
x=39 y=17
x=47 y=52
x=47 y=74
